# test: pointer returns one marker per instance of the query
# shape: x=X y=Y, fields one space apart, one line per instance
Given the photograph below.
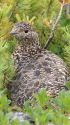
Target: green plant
x=40 y=111
x=7 y=70
x=6 y=112
x=43 y=112
x=66 y=48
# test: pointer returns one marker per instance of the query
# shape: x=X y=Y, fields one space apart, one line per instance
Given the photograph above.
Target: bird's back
x=44 y=70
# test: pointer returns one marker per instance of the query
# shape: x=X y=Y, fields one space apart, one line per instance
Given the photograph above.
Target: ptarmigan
x=37 y=68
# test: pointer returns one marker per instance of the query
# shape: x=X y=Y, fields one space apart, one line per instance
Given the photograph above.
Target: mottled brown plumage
x=37 y=68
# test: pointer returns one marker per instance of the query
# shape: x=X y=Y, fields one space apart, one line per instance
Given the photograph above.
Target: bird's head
x=24 y=32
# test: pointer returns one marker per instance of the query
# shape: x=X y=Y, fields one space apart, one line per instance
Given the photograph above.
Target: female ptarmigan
x=37 y=68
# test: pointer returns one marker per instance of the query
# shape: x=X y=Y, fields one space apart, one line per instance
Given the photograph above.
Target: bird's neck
x=26 y=50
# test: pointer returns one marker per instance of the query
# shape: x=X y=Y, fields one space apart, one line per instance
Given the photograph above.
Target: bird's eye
x=26 y=31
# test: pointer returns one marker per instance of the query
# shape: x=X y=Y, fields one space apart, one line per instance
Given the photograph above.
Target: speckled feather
x=37 y=68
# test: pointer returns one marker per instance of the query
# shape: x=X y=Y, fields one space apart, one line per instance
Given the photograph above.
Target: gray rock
x=22 y=116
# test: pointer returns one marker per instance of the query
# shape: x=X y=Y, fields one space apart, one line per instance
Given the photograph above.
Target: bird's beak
x=12 y=32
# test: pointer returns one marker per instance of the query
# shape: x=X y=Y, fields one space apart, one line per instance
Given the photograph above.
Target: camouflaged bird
x=37 y=68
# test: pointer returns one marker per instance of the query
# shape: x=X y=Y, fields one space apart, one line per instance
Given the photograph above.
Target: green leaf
x=15 y=122
x=68 y=85
x=18 y=17
x=26 y=123
x=58 y=102
x=42 y=97
x=1 y=116
x=9 y=115
x=62 y=94
x=27 y=106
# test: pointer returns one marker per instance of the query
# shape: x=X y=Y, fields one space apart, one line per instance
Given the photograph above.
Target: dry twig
x=54 y=27
x=13 y=11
